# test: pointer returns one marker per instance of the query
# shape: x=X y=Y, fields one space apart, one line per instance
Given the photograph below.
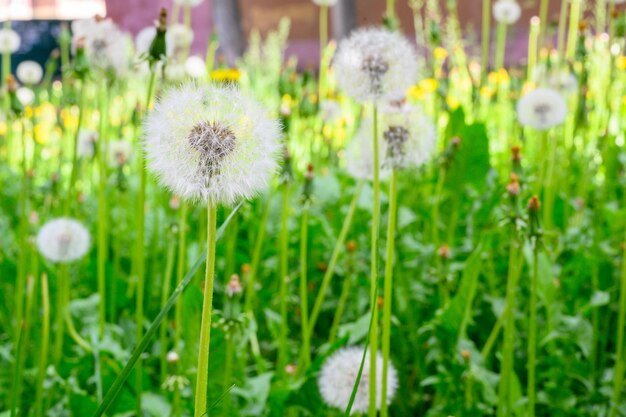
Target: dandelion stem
x=256 y=259
x=532 y=331
x=500 y=46
x=102 y=215
x=339 y=245
x=304 y=309
x=574 y=18
x=388 y=288
x=180 y=274
x=284 y=281
x=21 y=346
x=561 y=30
x=165 y=291
x=618 y=377
x=543 y=16
x=74 y=172
x=45 y=340
x=486 y=34
x=207 y=306
x=374 y=268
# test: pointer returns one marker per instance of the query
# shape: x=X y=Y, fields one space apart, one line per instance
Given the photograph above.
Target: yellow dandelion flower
x=486 y=92
x=621 y=63
x=453 y=102
x=415 y=92
x=429 y=85
x=440 y=53
x=3 y=128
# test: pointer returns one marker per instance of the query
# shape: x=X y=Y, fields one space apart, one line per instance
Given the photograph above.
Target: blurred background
x=38 y=21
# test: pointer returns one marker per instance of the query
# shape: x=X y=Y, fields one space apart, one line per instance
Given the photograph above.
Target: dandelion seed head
x=338 y=376
x=178 y=37
x=25 y=95
x=507 y=11
x=29 y=72
x=10 y=40
x=360 y=154
x=195 y=67
x=86 y=147
x=120 y=153
x=211 y=143
x=106 y=46
x=327 y=3
x=374 y=64
x=542 y=109
x=144 y=39
x=63 y=240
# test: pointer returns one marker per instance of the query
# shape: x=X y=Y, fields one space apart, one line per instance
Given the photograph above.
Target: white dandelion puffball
x=25 y=95
x=63 y=240
x=211 y=143
x=144 y=39
x=9 y=41
x=86 y=147
x=408 y=137
x=29 y=72
x=106 y=46
x=191 y=3
x=507 y=11
x=327 y=3
x=542 y=109
x=374 y=64
x=338 y=376
x=195 y=67
x=177 y=38
x=175 y=71
x=120 y=153
x=564 y=81
x=360 y=154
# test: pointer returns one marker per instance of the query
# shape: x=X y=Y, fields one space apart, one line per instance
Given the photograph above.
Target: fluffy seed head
x=25 y=95
x=211 y=143
x=106 y=46
x=338 y=376
x=9 y=41
x=120 y=153
x=360 y=154
x=178 y=37
x=144 y=39
x=87 y=143
x=29 y=72
x=507 y=11
x=63 y=240
x=192 y=3
x=542 y=109
x=195 y=67
x=374 y=64
x=327 y=3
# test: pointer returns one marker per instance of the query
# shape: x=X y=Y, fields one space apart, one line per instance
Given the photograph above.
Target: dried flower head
x=211 y=143
x=374 y=64
x=542 y=109
x=507 y=11
x=10 y=41
x=63 y=240
x=338 y=376
x=29 y=72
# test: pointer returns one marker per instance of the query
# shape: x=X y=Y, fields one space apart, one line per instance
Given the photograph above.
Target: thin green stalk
x=549 y=187
x=74 y=172
x=22 y=236
x=500 y=46
x=121 y=379
x=441 y=178
x=165 y=290
x=6 y=61
x=572 y=34
x=543 y=16
x=339 y=246
x=59 y=324
x=140 y=259
x=533 y=39
x=532 y=332
x=374 y=268
x=391 y=9
x=283 y=240
x=45 y=342
x=486 y=34
x=102 y=215
x=304 y=296
x=388 y=288
x=256 y=259
x=618 y=377
x=228 y=373
x=562 y=27
x=64 y=280
x=16 y=392
x=323 y=20
x=341 y=305
x=180 y=273
x=200 y=407
x=187 y=23
x=491 y=340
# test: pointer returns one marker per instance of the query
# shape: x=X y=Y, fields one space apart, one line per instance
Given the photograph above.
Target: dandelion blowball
x=542 y=109
x=106 y=46
x=360 y=154
x=144 y=39
x=63 y=240
x=86 y=146
x=120 y=153
x=9 y=41
x=195 y=67
x=374 y=64
x=507 y=11
x=211 y=143
x=338 y=376
x=327 y=3
x=29 y=72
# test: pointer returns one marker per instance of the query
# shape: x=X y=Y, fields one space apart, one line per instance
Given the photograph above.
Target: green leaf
x=471 y=160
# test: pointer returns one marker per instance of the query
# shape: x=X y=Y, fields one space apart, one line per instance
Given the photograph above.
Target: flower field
x=420 y=226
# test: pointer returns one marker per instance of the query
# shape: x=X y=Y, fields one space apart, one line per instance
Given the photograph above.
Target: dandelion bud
x=351 y=246
x=291 y=369
x=533 y=204
x=308 y=185
x=172 y=357
x=516 y=155
x=444 y=252
x=513 y=188
x=322 y=266
x=534 y=218
x=234 y=286
x=246 y=268
x=380 y=301
x=582 y=26
x=174 y=202
x=158 y=48
x=466 y=355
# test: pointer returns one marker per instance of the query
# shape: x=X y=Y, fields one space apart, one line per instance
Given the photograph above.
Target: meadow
x=180 y=236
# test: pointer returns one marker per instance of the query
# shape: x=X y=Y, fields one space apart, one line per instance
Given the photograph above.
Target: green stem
x=543 y=16
x=74 y=172
x=533 y=39
x=59 y=324
x=618 y=377
x=228 y=373
x=341 y=305
x=165 y=290
x=256 y=259
x=572 y=34
x=391 y=9
x=388 y=288
x=45 y=341
x=102 y=215
x=374 y=268
x=200 y=408
x=304 y=303
x=283 y=240
x=16 y=395
x=339 y=246
x=562 y=27
x=443 y=288
x=500 y=45
x=486 y=33
x=180 y=274
x=532 y=331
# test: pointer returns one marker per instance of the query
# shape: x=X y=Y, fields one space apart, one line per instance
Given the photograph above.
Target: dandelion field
x=184 y=237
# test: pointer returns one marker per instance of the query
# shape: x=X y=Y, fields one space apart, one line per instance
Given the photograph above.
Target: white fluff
x=374 y=64
x=29 y=72
x=542 y=109
x=63 y=240
x=86 y=147
x=328 y=3
x=120 y=153
x=177 y=39
x=25 y=95
x=338 y=376
x=144 y=39
x=360 y=154
x=507 y=11
x=211 y=143
x=191 y=3
x=106 y=46
x=10 y=41
x=195 y=67
x=408 y=137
